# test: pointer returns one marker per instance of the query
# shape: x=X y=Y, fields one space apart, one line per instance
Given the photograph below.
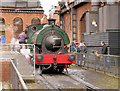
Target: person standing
x=13 y=42
x=73 y=49
x=84 y=48
x=22 y=38
x=84 y=52
x=97 y=60
x=66 y=49
x=81 y=44
x=77 y=47
x=104 y=51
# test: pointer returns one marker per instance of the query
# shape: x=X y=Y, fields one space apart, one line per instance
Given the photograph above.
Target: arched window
x=2 y=26
x=18 y=26
x=35 y=21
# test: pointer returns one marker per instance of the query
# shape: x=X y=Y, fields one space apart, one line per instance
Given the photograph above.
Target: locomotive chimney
x=51 y=21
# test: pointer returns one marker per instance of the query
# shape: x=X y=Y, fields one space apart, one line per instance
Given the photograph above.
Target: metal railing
x=16 y=80
x=106 y=63
x=17 y=48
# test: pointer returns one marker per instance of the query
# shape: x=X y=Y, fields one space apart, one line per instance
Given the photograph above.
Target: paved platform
x=97 y=79
x=23 y=64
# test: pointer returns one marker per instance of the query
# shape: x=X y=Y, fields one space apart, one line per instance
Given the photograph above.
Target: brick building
x=73 y=18
x=92 y=22
x=16 y=15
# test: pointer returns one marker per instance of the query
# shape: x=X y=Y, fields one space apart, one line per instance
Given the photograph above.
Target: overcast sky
x=46 y=4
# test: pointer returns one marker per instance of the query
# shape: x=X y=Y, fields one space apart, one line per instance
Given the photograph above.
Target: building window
x=35 y=21
x=18 y=26
x=2 y=26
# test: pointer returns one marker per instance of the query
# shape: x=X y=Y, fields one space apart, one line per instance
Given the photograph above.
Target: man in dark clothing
x=105 y=52
x=104 y=48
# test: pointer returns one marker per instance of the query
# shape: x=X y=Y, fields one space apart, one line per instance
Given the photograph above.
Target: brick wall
x=67 y=24
x=80 y=12
x=5 y=71
x=81 y=9
x=9 y=17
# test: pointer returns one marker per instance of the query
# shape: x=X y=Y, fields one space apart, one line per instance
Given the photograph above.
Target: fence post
x=34 y=60
x=108 y=50
x=11 y=75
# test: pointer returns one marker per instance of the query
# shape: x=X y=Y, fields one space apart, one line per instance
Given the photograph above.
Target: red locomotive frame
x=59 y=59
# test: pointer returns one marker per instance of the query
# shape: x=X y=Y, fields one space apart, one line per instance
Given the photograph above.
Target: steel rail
x=88 y=85
x=59 y=89
x=48 y=82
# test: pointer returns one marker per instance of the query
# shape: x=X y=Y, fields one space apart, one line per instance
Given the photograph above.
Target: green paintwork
x=71 y=57
x=41 y=57
x=55 y=58
x=41 y=34
x=31 y=33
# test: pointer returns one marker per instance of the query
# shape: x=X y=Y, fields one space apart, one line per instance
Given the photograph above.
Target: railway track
x=89 y=86
x=59 y=82
x=42 y=79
